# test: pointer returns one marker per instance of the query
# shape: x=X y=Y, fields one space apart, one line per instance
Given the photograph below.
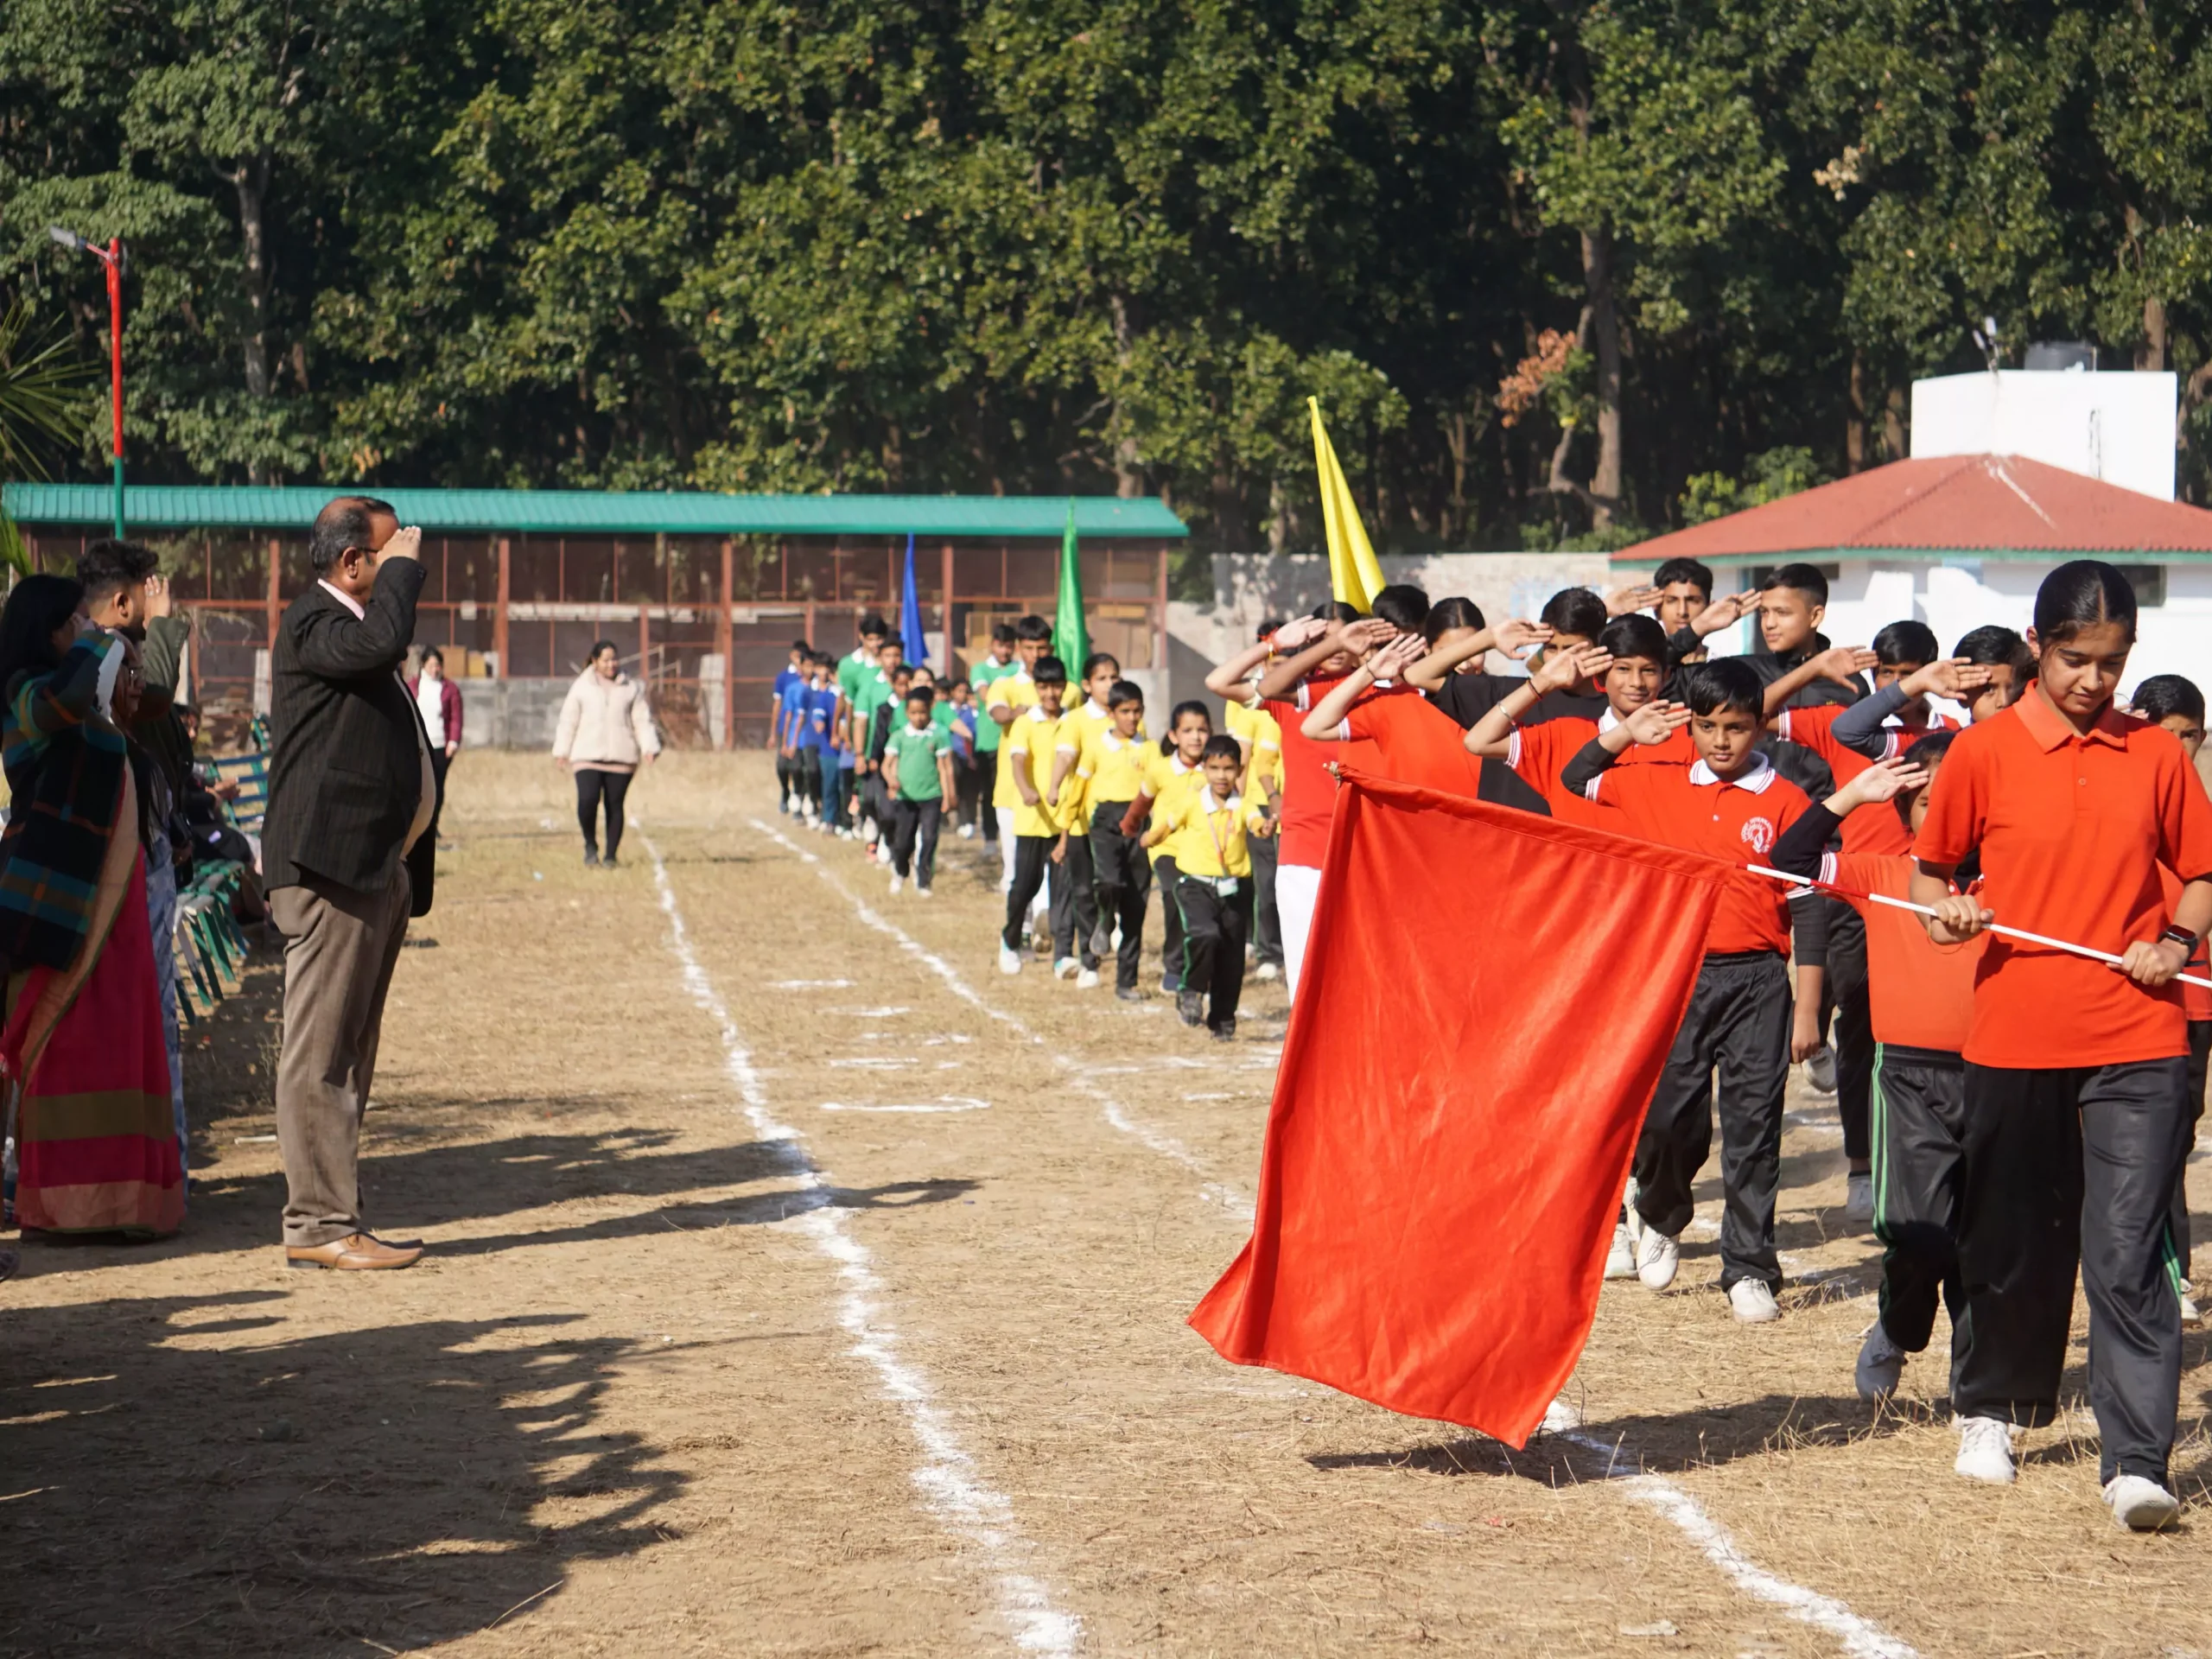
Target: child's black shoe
x=1191 y=1007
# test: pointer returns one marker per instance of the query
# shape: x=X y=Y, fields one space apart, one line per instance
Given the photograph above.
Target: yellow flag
x=1354 y=575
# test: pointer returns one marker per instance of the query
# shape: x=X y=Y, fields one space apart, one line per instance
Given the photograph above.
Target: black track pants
x=1033 y=864
x=1738 y=1024
x=1214 y=926
x=2064 y=1164
x=1171 y=923
x=1075 y=904
x=913 y=837
x=1267 y=925
x=1918 y=1116
x=2200 y=1050
x=1124 y=878
x=1852 y=1030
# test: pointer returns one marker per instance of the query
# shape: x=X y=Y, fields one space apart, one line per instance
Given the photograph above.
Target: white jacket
x=605 y=723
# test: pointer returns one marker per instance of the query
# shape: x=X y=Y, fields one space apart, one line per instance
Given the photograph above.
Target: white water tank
x=2118 y=427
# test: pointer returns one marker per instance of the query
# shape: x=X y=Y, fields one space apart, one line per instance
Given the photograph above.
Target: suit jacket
x=345 y=765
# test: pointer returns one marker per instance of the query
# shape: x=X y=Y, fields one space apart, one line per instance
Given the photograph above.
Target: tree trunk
x=1128 y=469
x=1854 y=423
x=2151 y=355
x=251 y=179
x=1604 y=326
x=1894 y=441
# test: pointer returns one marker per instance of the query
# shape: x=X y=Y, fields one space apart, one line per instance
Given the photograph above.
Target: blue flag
x=910 y=612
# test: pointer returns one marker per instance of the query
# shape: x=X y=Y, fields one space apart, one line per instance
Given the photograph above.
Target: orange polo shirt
x=2072 y=830
x=2195 y=1001
x=1739 y=821
x=1415 y=742
x=1919 y=993
x=1863 y=832
x=1540 y=754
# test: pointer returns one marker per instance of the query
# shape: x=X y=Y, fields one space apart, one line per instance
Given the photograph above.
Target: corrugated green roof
x=587 y=512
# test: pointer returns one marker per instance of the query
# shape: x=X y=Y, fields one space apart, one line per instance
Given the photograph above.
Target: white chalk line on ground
x=946 y=1476
x=1157 y=1141
x=1861 y=1638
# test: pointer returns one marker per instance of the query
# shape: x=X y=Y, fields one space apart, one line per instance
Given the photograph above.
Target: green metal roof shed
x=587 y=512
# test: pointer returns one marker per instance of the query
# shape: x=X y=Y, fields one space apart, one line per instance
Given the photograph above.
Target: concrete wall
x=509 y=714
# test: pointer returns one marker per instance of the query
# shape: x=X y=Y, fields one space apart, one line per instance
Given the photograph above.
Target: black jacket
x=346 y=773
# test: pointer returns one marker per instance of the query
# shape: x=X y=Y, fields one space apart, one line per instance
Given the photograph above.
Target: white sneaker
x=1881 y=1362
x=1753 y=1302
x=2190 y=1315
x=1065 y=968
x=966 y=832
x=2138 y=1504
x=1657 y=1256
x=1986 y=1450
x=1620 y=1261
x=1267 y=970
x=1009 y=961
x=920 y=891
x=897 y=881
x=1858 y=1196
x=1087 y=980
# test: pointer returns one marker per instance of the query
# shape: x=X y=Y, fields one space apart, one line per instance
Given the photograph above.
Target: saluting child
x=2174 y=702
x=1112 y=766
x=1030 y=744
x=1731 y=804
x=2075 y=1118
x=1921 y=1000
x=1208 y=830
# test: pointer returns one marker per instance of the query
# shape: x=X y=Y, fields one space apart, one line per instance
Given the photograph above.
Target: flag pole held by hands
x=2104 y=956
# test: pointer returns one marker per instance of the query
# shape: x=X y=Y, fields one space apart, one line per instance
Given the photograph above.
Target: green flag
x=1071 y=640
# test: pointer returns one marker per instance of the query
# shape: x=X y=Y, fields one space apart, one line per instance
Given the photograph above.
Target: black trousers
x=913 y=837
x=1919 y=1116
x=1033 y=864
x=1267 y=925
x=1171 y=923
x=786 y=776
x=2200 y=1050
x=987 y=775
x=809 y=789
x=1075 y=904
x=440 y=762
x=2061 y=1164
x=1737 y=1024
x=592 y=789
x=1214 y=926
x=1852 y=1030
x=1123 y=876
x=875 y=800
x=967 y=781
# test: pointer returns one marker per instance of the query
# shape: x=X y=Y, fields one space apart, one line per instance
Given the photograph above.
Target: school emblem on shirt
x=1758 y=834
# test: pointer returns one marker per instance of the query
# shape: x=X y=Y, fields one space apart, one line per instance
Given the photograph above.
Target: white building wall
x=2118 y=427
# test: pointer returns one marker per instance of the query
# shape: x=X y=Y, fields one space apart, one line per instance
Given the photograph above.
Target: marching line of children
x=2011 y=1112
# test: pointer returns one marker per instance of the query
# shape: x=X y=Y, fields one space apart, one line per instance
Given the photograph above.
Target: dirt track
x=660 y=1390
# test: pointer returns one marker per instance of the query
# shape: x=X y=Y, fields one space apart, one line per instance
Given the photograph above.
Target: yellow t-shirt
x=1206 y=839
x=1031 y=741
x=1167 y=779
x=1016 y=691
x=1257 y=729
x=1113 y=766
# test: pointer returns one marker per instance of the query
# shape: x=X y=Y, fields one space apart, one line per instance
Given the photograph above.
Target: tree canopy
x=1557 y=271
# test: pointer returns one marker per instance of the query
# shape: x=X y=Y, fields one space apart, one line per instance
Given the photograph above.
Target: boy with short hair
x=1027 y=758
x=875 y=694
x=1208 y=830
x=1004 y=700
x=996 y=664
x=1113 y=766
x=1685 y=590
x=917 y=776
x=851 y=670
x=788 y=733
x=965 y=730
x=1730 y=804
x=1793 y=602
x=1081 y=933
x=1922 y=1001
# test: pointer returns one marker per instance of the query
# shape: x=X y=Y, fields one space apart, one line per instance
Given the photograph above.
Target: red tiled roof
x=1962 y=504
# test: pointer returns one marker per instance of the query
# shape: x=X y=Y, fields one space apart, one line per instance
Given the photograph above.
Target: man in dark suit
x=345 y=859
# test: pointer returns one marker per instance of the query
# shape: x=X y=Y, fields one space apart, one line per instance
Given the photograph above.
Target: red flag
x=1489 y=998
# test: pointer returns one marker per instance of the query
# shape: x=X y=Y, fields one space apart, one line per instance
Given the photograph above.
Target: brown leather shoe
x=356 y=1253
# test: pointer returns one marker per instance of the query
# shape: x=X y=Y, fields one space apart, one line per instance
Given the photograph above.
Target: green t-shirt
x=941 y=714
x=913 y=751
x=986 y=729
x=850 y=670
x=866 y=696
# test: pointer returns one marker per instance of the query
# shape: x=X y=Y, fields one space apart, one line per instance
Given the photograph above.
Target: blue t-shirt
x=788 y=678
x=821 y=711
x=791 y=714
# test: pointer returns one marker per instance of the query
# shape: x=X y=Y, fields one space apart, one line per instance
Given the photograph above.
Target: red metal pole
x=115 y=365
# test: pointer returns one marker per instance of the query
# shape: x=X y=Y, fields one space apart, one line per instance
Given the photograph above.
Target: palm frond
x=42 y=393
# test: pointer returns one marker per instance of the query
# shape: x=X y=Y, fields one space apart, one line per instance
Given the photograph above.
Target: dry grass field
x=798 y=1285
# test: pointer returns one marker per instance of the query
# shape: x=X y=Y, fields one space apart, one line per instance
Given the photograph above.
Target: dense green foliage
x=1032 y=246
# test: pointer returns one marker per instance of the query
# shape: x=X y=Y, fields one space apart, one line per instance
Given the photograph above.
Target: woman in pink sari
x=82 y=1054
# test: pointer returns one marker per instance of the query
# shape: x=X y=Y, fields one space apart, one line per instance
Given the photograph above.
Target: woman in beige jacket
x=604 y=735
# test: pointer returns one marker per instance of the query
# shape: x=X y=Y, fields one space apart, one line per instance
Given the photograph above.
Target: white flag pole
x=1987 y=927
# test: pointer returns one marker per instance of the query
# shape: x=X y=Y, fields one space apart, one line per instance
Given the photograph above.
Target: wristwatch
x=2183 y=938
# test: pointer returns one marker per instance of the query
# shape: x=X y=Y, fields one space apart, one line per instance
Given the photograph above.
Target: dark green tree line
x=1556 y=269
